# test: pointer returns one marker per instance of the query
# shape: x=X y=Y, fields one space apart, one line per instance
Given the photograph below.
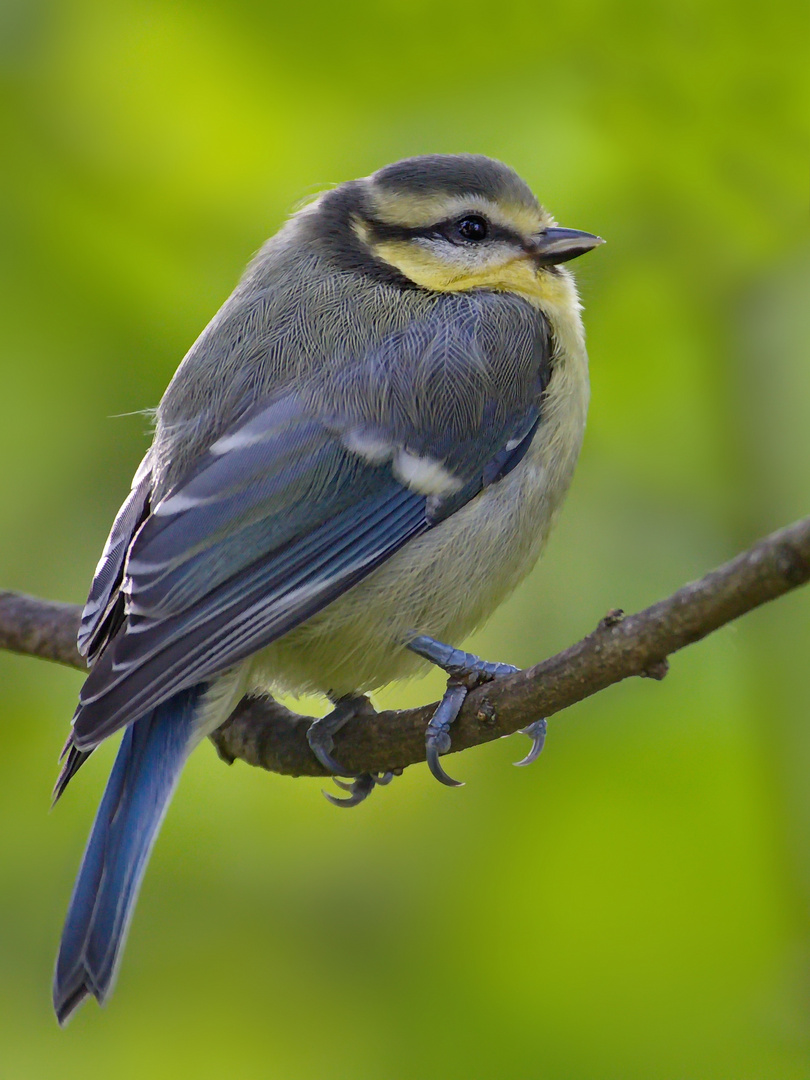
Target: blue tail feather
x=144 y=776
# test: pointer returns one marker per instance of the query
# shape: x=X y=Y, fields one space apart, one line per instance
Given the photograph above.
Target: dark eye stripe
x=380 y=231
x=496 y=232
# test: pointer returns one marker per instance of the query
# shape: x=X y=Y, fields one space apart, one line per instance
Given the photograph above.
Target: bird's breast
x=448 y=581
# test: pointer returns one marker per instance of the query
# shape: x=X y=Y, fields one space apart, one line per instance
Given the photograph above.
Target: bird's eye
x=473 y=228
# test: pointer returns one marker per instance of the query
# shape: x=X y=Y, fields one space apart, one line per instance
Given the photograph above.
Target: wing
x=305 y=497
x=104 y=611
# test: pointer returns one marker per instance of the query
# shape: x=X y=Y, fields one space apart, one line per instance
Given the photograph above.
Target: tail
x=144 y=776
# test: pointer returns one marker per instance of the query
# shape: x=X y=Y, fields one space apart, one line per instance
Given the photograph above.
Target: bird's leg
x=466 y=671
x=319 y=736
x=456 y=662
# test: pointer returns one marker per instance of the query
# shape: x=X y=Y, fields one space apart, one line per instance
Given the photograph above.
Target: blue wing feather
x=282 y=514
x=156 y=658
x=99 y=619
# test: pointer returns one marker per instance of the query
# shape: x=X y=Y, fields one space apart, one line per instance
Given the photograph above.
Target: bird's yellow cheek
x=517 y=275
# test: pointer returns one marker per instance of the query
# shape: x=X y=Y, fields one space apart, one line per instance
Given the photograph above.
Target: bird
x=358 y=459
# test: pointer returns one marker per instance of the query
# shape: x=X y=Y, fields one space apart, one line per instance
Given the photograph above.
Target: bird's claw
x=360 y=788
x=537 y=733
x=440 y=744
x=320 y=732
x=437 y=736
x=321 y=752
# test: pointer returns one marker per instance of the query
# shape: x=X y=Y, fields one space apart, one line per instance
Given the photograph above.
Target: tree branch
x=264 y=733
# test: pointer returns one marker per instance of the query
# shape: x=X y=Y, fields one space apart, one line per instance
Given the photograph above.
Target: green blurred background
x=637 y=904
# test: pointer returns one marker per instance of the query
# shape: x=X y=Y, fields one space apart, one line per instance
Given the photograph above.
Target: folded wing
x=305 y=496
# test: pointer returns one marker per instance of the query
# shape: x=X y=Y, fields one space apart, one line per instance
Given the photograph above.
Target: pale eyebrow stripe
x=423 y=210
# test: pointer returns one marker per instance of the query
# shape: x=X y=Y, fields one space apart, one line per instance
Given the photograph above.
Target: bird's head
x=450 y=223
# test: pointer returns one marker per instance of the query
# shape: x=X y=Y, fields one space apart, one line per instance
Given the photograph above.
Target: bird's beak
x=559 y=245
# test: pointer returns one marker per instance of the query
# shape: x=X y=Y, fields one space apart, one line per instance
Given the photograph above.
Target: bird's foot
x=320 y=733
x=360 y=788
x=466 y=671
x=437 y=734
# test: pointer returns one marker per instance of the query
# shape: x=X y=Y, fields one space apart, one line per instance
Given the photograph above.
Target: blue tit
x=358 y=459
